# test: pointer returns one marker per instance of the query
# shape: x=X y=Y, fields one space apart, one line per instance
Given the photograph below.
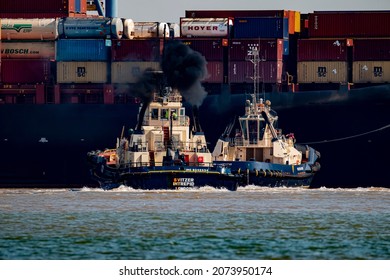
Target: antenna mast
x=254 y=57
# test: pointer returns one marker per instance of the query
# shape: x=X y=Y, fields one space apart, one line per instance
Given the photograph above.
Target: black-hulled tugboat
x=260 y=153
x=161 y=153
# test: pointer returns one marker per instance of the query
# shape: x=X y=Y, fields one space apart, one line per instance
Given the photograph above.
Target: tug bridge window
x=253 y=130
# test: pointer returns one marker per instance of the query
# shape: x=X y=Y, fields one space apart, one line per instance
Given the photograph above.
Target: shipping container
x=29 y=50
x=261 y=27
x=81 y=72
x=297 y=25
x=286 y=47
x=349 y=24
x=40 y=8
x=29 y=29
x=128 y=28
x=294 y=17
x=26 y=71
x=205 y=27
x=268 y=72
x=136 y=50
x=269 y=49
x=214 y=72
x=82 y=50
x=151 y=30
x=291 y=22
x=371 y=49
x=322 y=72
x=128 y=72
x=210 y=48
x=90 y=28
x=371 y=72
x=235 y=13
x=323 y=49
x=80 y=6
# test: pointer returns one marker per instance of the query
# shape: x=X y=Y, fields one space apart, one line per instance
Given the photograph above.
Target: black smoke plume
x=184 y=69
x=144 y=89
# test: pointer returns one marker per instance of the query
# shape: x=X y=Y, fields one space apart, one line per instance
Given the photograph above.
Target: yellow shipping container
x=123 y=72
x=81 y=72
x=322 y=72
x=371 y=72
x=297 y=22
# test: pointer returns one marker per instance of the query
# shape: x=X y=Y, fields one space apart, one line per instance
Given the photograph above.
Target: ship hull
x=172 y=177
x=272 y=175
x=47 y=145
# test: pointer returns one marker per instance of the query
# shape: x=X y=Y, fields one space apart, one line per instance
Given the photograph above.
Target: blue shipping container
x=261 y=27
x=77 y=7
x=81 y=50
x=286 y=47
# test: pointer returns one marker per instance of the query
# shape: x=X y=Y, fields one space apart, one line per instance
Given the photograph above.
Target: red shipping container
x=371 y=49
x=136 y=50
x=235 y=13
x=214 y=72
x=26 y=71
x=323 y=49
x=349 y=24
x=268 y=72
x=211 y=49
x=269 y=49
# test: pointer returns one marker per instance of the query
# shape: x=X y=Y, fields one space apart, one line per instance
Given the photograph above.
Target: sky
x=172 y=10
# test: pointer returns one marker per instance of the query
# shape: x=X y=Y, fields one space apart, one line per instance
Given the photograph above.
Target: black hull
x=328 y=120
x=169 y=177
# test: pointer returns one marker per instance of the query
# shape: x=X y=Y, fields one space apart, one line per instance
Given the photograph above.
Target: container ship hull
x=46 y=145
x=67 y=77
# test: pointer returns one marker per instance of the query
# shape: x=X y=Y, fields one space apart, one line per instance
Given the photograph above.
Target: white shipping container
x=123 y=72
x=29 y=29
x=322 y=72
x=81 y=72
x=151 y=30
x=371 y=71
x=205 y=27
x=43 y=49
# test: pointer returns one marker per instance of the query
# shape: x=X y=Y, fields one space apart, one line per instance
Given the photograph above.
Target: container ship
x=67 y=83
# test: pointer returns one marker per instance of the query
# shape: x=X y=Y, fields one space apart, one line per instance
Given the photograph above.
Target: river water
x=207 y=224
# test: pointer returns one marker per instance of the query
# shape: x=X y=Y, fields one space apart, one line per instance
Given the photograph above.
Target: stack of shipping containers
x=82 y=59
x=327 y=56
x=27 y=52
x=209 y=37
x=29 y=30
x=323 y=60
x=53 y=52
x=270 y=67
x=140 y=49
x=267 y=31
x=371 y=60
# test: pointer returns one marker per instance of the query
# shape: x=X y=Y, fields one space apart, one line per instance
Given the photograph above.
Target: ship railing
x=139 y=147
x=237 y=141
x=170 y=98
x=150 y=166
x=180 y=146
x=180 y=121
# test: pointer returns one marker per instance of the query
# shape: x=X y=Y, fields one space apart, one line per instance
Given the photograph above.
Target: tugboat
x=260 y=153
x=162 y=152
